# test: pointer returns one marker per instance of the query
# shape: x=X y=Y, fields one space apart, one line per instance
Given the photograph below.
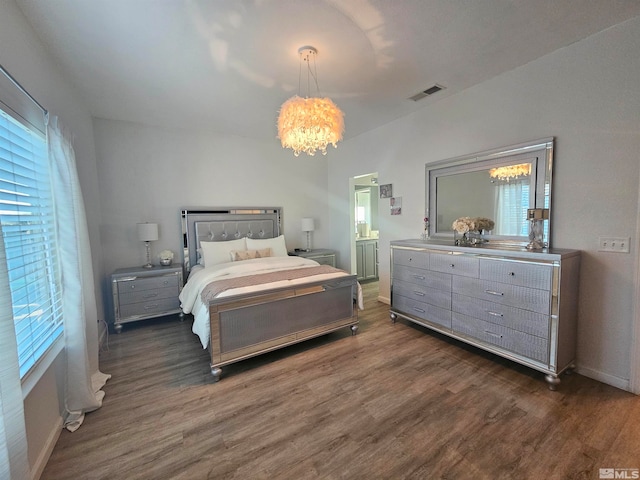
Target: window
x=28 y=230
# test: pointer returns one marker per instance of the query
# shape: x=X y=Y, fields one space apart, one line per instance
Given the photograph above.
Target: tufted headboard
x=222 y=224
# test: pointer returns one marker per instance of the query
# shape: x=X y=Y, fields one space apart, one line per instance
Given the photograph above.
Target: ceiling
x=227 y=66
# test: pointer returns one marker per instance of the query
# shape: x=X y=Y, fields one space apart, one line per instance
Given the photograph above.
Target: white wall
x=587 y=96
x=149 y=174
x=22 y=54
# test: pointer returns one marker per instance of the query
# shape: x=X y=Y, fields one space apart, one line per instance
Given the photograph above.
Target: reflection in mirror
x=500 y=185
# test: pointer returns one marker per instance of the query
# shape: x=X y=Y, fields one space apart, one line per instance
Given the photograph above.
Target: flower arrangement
x=166 y=257
x=472 y=224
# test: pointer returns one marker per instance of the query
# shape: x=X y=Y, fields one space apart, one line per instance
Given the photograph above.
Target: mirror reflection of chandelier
x=511 y=172
x=311 y=123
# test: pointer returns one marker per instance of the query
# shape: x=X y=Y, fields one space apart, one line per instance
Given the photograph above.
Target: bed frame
x=247 y=325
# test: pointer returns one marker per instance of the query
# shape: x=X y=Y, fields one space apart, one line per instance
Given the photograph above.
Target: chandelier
x=511 y=172
x=311 y=123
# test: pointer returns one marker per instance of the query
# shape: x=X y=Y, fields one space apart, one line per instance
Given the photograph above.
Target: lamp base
x=148 y=264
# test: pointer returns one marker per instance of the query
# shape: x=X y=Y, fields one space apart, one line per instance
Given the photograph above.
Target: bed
x=247 y=295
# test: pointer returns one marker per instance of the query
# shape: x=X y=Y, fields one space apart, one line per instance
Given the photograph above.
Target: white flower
x=472 y=224
x=165 y=255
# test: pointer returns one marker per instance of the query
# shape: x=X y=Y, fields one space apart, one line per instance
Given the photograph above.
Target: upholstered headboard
x=223 y=224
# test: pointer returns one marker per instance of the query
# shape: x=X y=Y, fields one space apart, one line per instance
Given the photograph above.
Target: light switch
x=614 y=244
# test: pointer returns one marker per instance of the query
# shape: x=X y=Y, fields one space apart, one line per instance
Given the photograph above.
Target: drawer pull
x=419 y=277
x=512 y=274
x=149 y=307
x=418 y=310
x=492 y=334
x=495 y=314
x=150 y=295
x=420 y=294
x=452 y=265
x=493 y=292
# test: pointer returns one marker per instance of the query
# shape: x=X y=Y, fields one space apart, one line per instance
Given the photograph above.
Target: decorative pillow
x=214 y=253
x=249 y=254
x=277 y=245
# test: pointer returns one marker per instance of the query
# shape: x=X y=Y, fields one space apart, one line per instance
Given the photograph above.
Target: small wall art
x=396 y=205
x=386 y=191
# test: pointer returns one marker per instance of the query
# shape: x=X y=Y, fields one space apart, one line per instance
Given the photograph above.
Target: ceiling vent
x=425 y=93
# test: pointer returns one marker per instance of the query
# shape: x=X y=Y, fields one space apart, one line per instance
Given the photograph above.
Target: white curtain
x=14 y=462
x=83 y=387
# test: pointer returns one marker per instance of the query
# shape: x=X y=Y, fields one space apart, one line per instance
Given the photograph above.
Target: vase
x=165 y=261
x=468 y=239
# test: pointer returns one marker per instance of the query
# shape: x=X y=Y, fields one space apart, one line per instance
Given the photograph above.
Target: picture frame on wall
x=386 y=191
x=396 y=205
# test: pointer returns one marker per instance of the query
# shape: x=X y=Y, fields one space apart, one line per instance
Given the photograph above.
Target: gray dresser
x=516 y=303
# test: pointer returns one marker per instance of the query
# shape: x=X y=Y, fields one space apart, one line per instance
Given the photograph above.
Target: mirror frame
x=542 y=170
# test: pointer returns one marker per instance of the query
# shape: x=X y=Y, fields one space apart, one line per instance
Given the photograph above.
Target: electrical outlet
x=614 y=244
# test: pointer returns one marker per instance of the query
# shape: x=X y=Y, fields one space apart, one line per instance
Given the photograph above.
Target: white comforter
x=199 y=278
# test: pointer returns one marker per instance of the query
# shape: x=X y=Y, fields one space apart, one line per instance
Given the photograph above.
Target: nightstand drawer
x=151 y=307
x=146 y=283
x=147 y=295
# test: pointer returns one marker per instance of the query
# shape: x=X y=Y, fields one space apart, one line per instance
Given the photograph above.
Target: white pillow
x=277 y=245
x=218 y=252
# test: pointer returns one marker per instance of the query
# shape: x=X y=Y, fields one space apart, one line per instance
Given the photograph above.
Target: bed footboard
x=247 y=325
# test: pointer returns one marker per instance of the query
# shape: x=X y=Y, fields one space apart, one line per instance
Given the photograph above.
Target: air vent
x=425 y=93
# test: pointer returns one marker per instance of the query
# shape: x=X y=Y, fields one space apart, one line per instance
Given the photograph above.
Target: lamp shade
x=308 y=225
x=147 y=232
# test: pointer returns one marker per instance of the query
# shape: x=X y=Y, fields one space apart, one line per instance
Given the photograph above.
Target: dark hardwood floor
x=393 y=402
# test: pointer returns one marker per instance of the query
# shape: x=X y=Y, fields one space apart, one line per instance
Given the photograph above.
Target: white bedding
x=199 y=278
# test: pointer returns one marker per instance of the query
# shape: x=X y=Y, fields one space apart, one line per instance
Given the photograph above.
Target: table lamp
x=308 y=226
x=147 y=233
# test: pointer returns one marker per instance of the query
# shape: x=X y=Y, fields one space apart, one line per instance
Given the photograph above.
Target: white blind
x=28 y=229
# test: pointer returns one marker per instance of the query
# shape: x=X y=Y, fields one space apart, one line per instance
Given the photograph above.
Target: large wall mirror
x=500 y=184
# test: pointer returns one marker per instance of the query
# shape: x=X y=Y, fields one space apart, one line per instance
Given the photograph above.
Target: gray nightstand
x=322 y=256
x=140 y=293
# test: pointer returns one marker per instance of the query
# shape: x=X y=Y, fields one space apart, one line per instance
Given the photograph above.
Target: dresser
x=519 y=304
x=140 y=293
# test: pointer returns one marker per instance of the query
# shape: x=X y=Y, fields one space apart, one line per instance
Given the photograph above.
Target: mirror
x=501 y=185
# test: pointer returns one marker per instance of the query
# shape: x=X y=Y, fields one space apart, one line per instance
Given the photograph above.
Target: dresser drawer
x=454 y=264
x=431 y=313
x=147 y=283
x=529 y=346
x=138 y=296
x=501 y=293
x=534 y=275
x=411 y=258
x=151 y=307
x=441 y=281
x=439 y=298
x=518 y=319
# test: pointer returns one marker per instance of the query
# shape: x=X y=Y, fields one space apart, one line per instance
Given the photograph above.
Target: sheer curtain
x=14 y=462
x=83 y=387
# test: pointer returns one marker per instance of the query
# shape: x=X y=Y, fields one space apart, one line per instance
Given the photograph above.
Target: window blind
x=29 y=231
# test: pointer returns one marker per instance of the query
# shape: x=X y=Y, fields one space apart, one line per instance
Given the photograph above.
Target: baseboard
x=43 y=458
x=621 y=383
x=384 y=300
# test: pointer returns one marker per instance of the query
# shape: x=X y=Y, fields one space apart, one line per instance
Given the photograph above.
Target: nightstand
x=322 y=256
x=140 y=293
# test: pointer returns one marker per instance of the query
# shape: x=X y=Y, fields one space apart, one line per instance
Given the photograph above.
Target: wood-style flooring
x=393 y=402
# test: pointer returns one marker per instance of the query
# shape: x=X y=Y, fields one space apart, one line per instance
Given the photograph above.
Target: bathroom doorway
x=365 y=230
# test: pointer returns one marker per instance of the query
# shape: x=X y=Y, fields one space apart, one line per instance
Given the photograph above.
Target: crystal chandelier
x=511 y=172
x=311 y=123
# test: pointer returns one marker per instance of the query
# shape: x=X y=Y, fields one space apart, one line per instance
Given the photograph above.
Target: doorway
x=364 y=227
